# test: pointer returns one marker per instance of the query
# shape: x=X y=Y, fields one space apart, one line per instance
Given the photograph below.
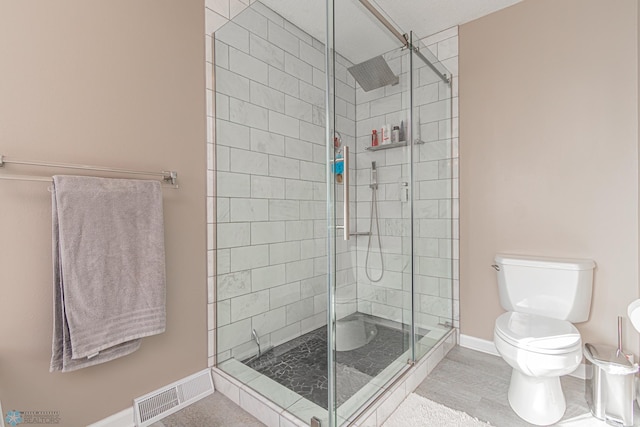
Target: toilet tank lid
x=545 y=262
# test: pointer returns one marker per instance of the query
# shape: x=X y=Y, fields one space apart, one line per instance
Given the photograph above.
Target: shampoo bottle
x=385 y=135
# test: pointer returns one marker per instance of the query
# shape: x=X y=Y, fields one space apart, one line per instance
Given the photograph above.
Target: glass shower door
x=369 y=223
x=434 y=215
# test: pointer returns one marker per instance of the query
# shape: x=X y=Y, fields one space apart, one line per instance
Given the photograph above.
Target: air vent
x=165 y=401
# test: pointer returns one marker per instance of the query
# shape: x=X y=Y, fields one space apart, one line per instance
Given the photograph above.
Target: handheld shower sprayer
x=374 y=176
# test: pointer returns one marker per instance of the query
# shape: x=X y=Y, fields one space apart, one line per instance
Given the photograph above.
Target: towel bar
x=169 y=177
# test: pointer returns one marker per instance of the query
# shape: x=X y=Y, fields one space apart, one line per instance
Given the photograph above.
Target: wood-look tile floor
x=465 y=380
x=477 y=383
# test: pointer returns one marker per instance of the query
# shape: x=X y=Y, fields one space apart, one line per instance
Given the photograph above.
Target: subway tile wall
x=270 y=169
x=270 y=190
x=435 y=193
x=444 y=46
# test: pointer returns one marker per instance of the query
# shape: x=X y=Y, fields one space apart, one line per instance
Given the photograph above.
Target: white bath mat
x=419 y=411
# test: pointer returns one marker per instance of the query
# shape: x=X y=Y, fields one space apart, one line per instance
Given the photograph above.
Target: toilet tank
x=554 y=287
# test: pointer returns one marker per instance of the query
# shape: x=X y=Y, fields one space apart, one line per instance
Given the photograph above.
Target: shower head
x=373 y=74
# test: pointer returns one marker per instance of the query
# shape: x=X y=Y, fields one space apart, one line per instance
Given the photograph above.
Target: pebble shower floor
x=301 y=364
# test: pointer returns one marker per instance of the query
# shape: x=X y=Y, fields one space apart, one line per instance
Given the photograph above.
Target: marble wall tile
x=249 y=162
x=284 y=82
x=312 y=171
x=298 y=190
x=299 y=310
x=299 y=230
x=299 y=270
x=267 y=232
x=266 y=142
x=284 y=295
x=312 y=133
x=221 y=103
x=223 y=314
x=284 y=252
x=249 y=209
x=234 y=334
x=219 y=6
x=234 y=35
x=233 y=235
x=249 y=19
x=232 y=84
x=233 y=284
x=283 y=38
x=297 y=68
x=269 y=321
x=213 y=21
x=297 y=32
x=298 y=108
x=248 y=305
x=248 y=114
x=233 y=135
x=266 y=97
x=283 y=124
x=248 y=257
x=267 y=188
x=284 y=210
x=267 y=277
x=311 y=94
x=312 y=56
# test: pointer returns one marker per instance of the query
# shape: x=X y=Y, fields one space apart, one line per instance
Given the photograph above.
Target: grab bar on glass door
x=346 y=228
x=347 y=231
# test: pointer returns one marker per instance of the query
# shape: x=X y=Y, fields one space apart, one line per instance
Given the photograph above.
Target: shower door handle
x=345 y=191
x=345 y=183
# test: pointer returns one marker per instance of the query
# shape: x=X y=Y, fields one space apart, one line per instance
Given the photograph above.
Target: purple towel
x=109 y=268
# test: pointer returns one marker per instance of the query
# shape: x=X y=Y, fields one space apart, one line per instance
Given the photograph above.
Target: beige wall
x=115 y=83
x=549 y=151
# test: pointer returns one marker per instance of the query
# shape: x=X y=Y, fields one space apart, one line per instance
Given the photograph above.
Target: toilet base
x=537 y=400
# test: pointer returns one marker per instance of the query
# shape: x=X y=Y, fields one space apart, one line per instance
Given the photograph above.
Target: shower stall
x=334 y=173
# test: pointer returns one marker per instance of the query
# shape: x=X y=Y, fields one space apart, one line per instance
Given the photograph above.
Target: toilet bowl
x=536 y=337
x=540 y=350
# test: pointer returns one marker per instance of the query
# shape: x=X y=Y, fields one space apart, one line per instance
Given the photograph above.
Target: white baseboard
x=478 y=344
x=121 y=419
x=489 y=347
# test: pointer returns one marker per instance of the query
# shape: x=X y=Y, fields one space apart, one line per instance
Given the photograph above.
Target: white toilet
x=536 y=337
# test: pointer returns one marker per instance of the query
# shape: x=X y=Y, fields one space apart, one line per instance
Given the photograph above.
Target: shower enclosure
x=333 y=201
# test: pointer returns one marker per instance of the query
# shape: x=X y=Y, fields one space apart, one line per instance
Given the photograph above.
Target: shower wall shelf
x=386 y=146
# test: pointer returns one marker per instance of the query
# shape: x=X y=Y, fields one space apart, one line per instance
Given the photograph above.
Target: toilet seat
x=538 y=334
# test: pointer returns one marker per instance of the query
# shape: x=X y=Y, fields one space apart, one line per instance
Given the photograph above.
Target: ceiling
x=359 y=36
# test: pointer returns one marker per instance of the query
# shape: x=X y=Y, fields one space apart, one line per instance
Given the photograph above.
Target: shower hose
x=374 y=212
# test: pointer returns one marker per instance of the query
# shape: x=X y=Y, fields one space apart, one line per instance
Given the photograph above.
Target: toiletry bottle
x=385 y=136
x=401 y=134
x=374 y=138
x=395 y=134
